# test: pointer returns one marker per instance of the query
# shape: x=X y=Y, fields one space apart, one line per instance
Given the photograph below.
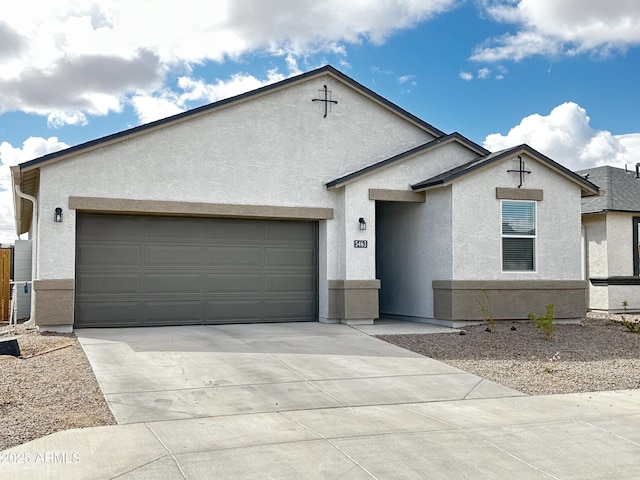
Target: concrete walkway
x=309 y=400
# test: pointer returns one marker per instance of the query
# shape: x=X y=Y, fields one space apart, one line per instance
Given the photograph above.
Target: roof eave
x=587 y=188
x=438 y=142
x=431 y=185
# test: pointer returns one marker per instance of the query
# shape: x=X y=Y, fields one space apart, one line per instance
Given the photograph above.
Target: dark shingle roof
x=620 y=190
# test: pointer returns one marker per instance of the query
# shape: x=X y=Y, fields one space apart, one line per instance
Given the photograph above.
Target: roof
x=620 y=190
x=453 y=137
x=450 y=176
x=26 y=174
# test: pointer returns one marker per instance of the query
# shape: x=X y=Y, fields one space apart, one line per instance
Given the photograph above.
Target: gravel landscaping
x=52 y=387
x=600 y=354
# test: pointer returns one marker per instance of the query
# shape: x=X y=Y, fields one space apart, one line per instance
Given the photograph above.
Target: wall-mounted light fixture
x=57 y=217
x=363 y=224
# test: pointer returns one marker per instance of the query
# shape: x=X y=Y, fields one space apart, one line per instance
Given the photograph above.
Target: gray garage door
x=146 y=270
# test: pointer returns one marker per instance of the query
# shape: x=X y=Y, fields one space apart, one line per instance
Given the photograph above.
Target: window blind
x=518 y=236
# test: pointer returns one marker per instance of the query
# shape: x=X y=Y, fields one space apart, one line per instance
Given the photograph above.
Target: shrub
x=545 y=323
x=485 y=308
x=633 y=327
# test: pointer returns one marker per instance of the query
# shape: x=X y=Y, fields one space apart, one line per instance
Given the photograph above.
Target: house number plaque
x=360 y=244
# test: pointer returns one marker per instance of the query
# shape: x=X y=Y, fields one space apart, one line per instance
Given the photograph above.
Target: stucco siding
x=620 y=261
x=477 y=224
x=619 y=244
x=414 y=248
x=274 y=150
x=596 y=244
x=596 y=259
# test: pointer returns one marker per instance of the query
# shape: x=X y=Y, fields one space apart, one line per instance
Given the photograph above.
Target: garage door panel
x=243 y=231
x=181 y=229
x=238 y=310
x=172 y=283
x=172 y=271
x=289 y=257
x=225 y=255
x=170 y=255
x=289 y=283
x=292 y=309
x=290 y=232
x=108 y=313
x=120 y=227
x=172 y=312
x=107 y=283
x=243 y=283
x=108 y=255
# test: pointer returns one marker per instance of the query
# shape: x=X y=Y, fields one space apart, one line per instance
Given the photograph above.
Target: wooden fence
x=5 y=283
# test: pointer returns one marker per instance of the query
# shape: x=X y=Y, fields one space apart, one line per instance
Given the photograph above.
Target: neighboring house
x=312 y=199
x=612 y=245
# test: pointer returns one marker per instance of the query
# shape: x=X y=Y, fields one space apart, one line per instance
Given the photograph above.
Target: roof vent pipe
x=638 y=170
x=34 y=248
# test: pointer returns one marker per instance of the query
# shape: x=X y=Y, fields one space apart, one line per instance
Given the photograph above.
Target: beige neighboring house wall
x=609 y=240
x=610 y=243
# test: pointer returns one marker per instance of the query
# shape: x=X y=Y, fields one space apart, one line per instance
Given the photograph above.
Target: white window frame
x=534 y=236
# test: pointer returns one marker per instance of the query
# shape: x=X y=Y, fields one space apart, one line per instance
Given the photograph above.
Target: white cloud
x=33 y=147
x=466 y=76
x=484 y=73
x=566 y=136
x=407 y=79
x=72 y=58
x=59 y=118
x=567 y=27
x=196 y=90
x=150 y=107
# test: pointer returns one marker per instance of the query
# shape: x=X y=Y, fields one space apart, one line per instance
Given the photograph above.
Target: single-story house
x=311 y=199
x=611 y=224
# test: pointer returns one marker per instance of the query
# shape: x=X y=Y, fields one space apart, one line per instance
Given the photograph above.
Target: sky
x=560 y=75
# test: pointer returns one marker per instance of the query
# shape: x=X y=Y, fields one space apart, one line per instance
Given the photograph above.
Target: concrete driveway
x=310 y=400
x=171 y=373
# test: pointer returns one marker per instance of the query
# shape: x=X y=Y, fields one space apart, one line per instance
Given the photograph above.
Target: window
x=518 y=236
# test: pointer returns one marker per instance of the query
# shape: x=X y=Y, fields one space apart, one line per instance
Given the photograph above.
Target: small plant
x=630 y=325
x=555 y=358
x=545 y=323
x=485 y=308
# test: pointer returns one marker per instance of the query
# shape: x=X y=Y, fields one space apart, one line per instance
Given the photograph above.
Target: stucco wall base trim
x=508 y=300
x=430 y=321
x=157 y=207
x=54 y=302
x=353 y=300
